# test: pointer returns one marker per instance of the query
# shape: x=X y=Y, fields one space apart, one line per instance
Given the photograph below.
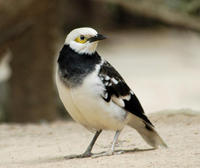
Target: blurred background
x=154 y=44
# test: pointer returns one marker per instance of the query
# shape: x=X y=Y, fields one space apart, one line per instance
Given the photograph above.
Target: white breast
x=65 y=96
x=87 y=107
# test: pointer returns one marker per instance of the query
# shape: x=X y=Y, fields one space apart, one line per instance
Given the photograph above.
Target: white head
x=83 y=40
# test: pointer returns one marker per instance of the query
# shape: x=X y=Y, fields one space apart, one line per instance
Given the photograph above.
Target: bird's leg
x=87 y=153
x=112 y=150
x=115 y=141
x=89 y=148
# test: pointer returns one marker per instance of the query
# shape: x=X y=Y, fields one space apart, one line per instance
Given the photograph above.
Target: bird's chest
x=86 y=106
x=66 y=98
x=97 y=112
x=74 y=75
x=73 y=68
x=78 y=100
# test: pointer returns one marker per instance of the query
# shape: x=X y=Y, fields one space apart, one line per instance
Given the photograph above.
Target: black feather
x=134 y=106
x=74 y=67
x=120 y=89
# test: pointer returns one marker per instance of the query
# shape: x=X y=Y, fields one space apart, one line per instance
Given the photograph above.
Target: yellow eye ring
x=81 y=39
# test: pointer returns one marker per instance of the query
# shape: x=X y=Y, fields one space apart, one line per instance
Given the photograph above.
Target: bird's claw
x=84 y=155
x=107 y=153
x=95 y=155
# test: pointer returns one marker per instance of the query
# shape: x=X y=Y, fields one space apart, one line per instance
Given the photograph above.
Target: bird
x=96 y=95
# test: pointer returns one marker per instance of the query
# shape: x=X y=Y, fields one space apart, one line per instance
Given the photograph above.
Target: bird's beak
x=96 y=38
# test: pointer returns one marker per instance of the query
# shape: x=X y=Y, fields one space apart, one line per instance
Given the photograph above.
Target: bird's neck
x=73 y=66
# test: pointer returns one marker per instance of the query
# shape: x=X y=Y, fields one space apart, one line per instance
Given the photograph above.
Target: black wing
x=117 y=90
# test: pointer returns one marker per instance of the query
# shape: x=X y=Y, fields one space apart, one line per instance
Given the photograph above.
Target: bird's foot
x=95 y=155
x=107 y=153
x=84 y=155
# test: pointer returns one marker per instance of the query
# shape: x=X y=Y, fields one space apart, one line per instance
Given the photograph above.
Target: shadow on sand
x=63 y=158
x=68 y=157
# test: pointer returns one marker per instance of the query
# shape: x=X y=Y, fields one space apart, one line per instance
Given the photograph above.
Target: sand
x=45 y=145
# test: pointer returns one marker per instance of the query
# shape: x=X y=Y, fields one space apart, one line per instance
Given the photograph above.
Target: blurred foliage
x=178 y=13
x=3 y=97
x=188 y=6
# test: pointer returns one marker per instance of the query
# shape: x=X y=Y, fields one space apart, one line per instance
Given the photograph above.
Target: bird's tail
x=147 y=132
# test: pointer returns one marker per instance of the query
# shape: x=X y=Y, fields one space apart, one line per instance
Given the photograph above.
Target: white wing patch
x=119 y=101
x=113 y=80
x=128 y=97
x=107 y=80
x=105 y=95
x=115 y=89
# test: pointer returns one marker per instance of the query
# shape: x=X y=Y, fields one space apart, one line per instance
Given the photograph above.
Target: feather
x=117 y=90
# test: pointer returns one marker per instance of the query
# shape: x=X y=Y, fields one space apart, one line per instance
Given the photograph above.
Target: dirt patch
x=45 y=145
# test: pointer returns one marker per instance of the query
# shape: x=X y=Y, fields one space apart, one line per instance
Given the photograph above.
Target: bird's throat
x=73 y=67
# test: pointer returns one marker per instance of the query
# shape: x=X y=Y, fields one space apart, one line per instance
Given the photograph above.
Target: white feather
x=86 y=106
x=114 y=81
x=86 y=48
x=128 y=97
x=118 y=101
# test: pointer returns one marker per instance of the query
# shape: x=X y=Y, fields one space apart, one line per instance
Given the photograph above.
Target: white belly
x=87 y=107
x=65 y=96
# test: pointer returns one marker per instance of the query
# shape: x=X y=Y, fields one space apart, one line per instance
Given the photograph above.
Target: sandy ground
x=45 y=145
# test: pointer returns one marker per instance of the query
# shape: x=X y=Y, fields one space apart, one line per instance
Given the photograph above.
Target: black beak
x=96 y=38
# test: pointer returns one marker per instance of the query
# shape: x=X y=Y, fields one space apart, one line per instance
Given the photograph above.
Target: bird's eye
x=81 y=39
